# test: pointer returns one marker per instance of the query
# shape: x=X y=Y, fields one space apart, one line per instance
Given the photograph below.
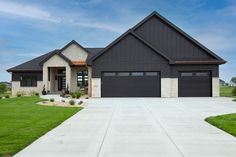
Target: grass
x=226 y=91
x=224 y=122
x=22 y=121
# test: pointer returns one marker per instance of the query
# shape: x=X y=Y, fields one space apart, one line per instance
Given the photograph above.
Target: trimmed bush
x=73 y=95
x=63 y=100
x=78 y=95
x=0 y=97
x=36 y=94
x=72 y=102
x=234 y=91
x=7 y=96
x=20 y=93
x=52 y=100
x=80 y=102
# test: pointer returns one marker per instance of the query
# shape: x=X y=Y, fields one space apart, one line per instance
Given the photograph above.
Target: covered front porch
x=72 y=79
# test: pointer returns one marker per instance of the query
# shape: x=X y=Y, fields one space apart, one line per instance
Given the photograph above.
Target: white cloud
x=26 y=11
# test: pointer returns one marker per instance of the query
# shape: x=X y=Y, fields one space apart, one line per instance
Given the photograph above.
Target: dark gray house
x=153 y=59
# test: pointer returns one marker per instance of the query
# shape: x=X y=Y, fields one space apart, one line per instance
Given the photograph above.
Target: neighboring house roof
x=217 y=59
x=36 y=63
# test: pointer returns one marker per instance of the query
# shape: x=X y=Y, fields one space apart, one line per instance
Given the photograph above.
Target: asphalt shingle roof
x=34 y=64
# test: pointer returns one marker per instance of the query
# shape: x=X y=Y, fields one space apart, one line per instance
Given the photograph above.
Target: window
x=109 y=74
x=136 y=73
x=201 y=74
x=82 y=78
x=123 y=73
x=28 y=81
x=186 y=74
x=151 y=73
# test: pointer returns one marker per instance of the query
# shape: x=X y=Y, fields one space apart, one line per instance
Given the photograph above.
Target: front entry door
x=61 y=82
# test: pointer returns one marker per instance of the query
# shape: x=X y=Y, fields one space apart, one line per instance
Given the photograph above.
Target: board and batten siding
x=130 y=55
x=16 y=76
x=170 y=42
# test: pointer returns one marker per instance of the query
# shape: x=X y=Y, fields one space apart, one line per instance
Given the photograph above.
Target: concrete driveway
x=140 y=127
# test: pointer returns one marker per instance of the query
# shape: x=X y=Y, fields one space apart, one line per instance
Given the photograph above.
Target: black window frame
x=84 y=77
x=29 y=81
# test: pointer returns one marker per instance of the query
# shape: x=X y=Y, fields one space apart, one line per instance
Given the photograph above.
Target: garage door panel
x=194 y=84
x=131 y=86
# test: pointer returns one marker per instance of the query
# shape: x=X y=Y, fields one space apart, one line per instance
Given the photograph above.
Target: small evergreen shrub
x=72 y=102
x=18 y=95
x=52 y=100
x=36 y=94
x=63 y=100
x=0 y=97
x=80 y=102
x=7 y=96
x=73 y=95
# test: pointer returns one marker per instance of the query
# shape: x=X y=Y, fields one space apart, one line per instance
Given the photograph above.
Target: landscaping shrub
x=7 y=96
x=52 y=100
x=20 y=93
x=0 y=97
x=234 y=91
x=63 y=100
x=36 y=94
x=80 y=102
x=72 y=102
x=78 y=95
x=73 y=95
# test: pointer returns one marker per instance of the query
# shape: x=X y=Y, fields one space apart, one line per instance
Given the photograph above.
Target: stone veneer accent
x=96 y=87
x=16 y=88
x=169 y=87
x=215 y=87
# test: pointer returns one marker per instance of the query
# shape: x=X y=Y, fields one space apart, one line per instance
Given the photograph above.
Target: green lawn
x=224 y=122
x=22 y=121
x=226 y=91
x=4 y=94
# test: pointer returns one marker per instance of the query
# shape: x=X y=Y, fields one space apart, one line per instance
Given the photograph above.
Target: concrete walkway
x=140 y=127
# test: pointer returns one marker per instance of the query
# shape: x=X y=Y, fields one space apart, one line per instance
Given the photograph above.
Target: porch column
x=68 y=77
x=89 y=81
x=45 y=77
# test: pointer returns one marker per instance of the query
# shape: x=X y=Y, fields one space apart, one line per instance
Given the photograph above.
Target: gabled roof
x=156 y=14
x=218 y=60
x=36 y=63
x=130 y=31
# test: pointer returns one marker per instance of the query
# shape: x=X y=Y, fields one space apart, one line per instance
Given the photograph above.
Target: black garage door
x=194 y=84
x=131 y=84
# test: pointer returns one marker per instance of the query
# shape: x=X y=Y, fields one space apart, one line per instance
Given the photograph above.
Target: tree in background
x=3 y=88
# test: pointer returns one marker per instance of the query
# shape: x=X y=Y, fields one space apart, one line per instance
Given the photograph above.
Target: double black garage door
x=148 y=84
x=131 y=84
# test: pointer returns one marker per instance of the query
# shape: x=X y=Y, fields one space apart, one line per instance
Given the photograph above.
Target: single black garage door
x=194 y=84
x=131 y=84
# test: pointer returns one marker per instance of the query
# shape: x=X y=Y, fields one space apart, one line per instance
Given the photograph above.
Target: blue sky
x=29 y=28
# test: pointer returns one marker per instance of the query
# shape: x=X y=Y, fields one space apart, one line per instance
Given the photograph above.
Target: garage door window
x=201 y=74
x=151 y=73
x=137 y=74
x=109 y=74
x=123 y=73
x=186 y=74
